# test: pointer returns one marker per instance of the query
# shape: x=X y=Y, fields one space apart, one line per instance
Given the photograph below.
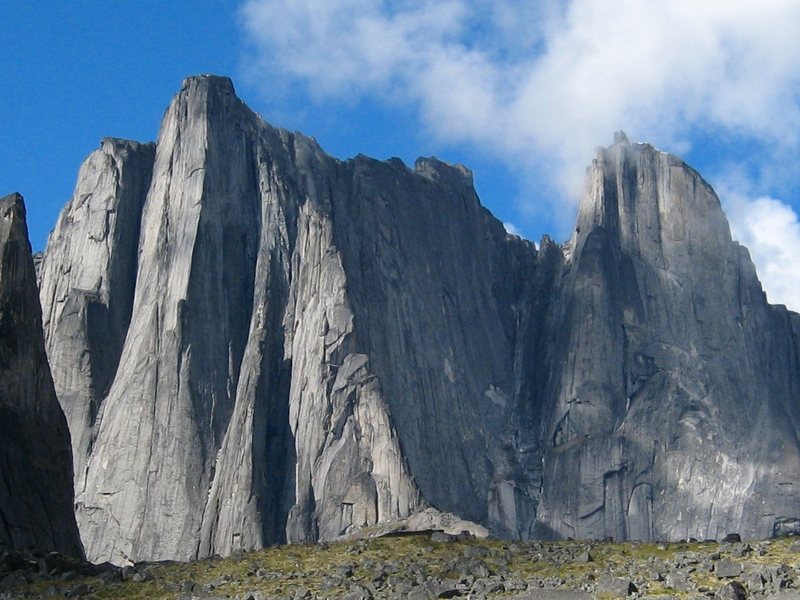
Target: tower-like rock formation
x=256 y=342
x=35 y=461
x=87 y=283
x=305 y=333
x=672 y=405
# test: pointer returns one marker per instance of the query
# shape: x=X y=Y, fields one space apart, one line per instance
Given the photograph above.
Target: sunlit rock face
x=35 y=461
x=87 y=283
x=256 y=343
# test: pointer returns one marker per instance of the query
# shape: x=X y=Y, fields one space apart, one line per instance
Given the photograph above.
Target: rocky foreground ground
x=431 y=565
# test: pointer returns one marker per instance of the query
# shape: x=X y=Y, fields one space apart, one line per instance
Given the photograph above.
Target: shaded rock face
x=671 y=407
x=289 y=347
x=35 y=462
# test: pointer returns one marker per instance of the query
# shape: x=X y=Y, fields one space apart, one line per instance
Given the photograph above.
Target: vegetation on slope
x=430 y=566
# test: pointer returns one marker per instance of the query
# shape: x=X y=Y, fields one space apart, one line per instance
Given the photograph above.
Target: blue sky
x=520 y=91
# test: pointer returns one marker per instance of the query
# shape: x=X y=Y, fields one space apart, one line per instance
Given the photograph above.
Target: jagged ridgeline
x=254 y=342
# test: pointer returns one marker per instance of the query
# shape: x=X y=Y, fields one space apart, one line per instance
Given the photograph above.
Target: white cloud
x=542 y=83
x=547 y=80
x=770 y=229
x=348 y=47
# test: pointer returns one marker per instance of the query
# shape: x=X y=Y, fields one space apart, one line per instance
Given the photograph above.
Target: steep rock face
x=263 y=392
x=168 y=409
x=86 y=282
x=38 y=257
x=304 y=346
x=35 y=462
x=687 y=426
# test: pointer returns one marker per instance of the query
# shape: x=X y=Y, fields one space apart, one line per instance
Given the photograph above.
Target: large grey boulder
x=35 y=461
x=298 y=347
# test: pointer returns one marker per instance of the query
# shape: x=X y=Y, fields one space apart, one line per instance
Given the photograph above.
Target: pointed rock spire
x=35 y=461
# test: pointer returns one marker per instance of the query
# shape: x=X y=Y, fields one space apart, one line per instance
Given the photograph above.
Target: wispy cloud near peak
x=555 y=78
x=541 y=84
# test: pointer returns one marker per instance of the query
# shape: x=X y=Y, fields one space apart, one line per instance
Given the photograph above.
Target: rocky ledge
x=432 y=565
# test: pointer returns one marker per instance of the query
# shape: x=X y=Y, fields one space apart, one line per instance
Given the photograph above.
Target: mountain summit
x=36 y=482
x=255 y=343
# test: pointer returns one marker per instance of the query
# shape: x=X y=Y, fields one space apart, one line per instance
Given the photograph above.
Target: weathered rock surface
x=86 y=283
x=304 y=334
x=687 y=425
x=38 y=257
x=35 y=462
x=256 y=342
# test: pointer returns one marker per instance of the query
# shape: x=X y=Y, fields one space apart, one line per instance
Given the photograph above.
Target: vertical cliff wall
x=256 y=343
x=35 y=461
x=87 y=283
x=671 y=406
x=309 y=341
